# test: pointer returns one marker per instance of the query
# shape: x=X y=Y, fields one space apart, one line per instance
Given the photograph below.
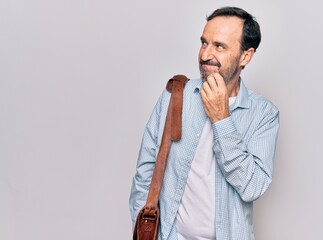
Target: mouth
x=206 y=67
x=209 y=65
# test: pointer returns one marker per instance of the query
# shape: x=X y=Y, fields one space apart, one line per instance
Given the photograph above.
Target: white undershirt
x=195 y=218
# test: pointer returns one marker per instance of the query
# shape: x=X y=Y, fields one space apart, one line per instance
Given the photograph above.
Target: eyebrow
x=202 y=39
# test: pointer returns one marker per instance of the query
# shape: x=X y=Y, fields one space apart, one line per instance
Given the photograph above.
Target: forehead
x=223 y=28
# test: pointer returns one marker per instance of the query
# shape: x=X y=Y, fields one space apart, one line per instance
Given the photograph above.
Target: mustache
x=210 y=62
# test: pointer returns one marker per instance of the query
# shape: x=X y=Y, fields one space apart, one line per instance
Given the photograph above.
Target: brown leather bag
x=147 y=222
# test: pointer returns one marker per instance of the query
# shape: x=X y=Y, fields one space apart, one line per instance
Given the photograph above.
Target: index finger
x=219 y=80
x=211 y=81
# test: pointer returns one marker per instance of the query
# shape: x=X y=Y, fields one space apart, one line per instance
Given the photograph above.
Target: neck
x=233 y=87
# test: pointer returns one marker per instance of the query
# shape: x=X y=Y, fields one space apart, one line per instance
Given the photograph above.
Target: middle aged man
x=225 y=158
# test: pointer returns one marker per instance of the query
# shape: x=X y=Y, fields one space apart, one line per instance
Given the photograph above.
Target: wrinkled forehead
x=223 y=28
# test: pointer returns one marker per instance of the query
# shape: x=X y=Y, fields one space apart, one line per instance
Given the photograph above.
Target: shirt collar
x=242 y=97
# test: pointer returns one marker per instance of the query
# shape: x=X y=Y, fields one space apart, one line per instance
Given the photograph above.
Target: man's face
x=221 y=48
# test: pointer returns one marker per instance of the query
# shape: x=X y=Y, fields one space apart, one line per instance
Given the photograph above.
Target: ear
x=246 y=57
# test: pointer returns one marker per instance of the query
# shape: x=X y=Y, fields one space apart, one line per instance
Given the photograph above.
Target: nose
x=207 y=52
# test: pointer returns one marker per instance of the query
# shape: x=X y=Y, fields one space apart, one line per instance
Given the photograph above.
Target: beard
x=227 y=73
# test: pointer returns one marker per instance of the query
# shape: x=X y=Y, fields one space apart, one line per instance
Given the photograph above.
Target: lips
x=207 y=67
x=210 y=63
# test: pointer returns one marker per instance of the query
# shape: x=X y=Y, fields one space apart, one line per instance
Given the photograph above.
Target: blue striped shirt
x=244 y=148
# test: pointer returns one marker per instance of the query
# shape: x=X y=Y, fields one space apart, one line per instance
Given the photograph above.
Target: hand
x=215 y=97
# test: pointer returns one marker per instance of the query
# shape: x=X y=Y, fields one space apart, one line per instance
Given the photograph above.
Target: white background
x=78 y=81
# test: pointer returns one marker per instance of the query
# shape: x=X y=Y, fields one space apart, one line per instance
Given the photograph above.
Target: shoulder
x=261 y=101
x=190 y=87
x=262 y=107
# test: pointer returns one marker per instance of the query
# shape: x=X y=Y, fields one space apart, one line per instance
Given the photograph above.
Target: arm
x=145 y=163
x=248 y=168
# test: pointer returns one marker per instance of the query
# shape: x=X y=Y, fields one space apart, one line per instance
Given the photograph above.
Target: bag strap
x=172 y=132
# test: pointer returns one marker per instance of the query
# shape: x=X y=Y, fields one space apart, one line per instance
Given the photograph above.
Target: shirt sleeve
x=247 y=167
x=145 y=162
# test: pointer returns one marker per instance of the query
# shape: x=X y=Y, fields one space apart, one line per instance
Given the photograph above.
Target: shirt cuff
x=223 y=127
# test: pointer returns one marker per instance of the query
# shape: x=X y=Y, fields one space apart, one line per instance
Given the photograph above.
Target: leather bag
x=147 y=222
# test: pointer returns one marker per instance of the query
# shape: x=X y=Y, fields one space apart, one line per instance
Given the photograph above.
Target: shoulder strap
x=176 y=86
x=172 y=132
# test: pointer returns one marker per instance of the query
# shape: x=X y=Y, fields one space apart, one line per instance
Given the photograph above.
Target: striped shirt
x=244 y=149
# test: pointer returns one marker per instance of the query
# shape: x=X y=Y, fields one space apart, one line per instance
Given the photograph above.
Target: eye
x=203 y=43
x=219 y=46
